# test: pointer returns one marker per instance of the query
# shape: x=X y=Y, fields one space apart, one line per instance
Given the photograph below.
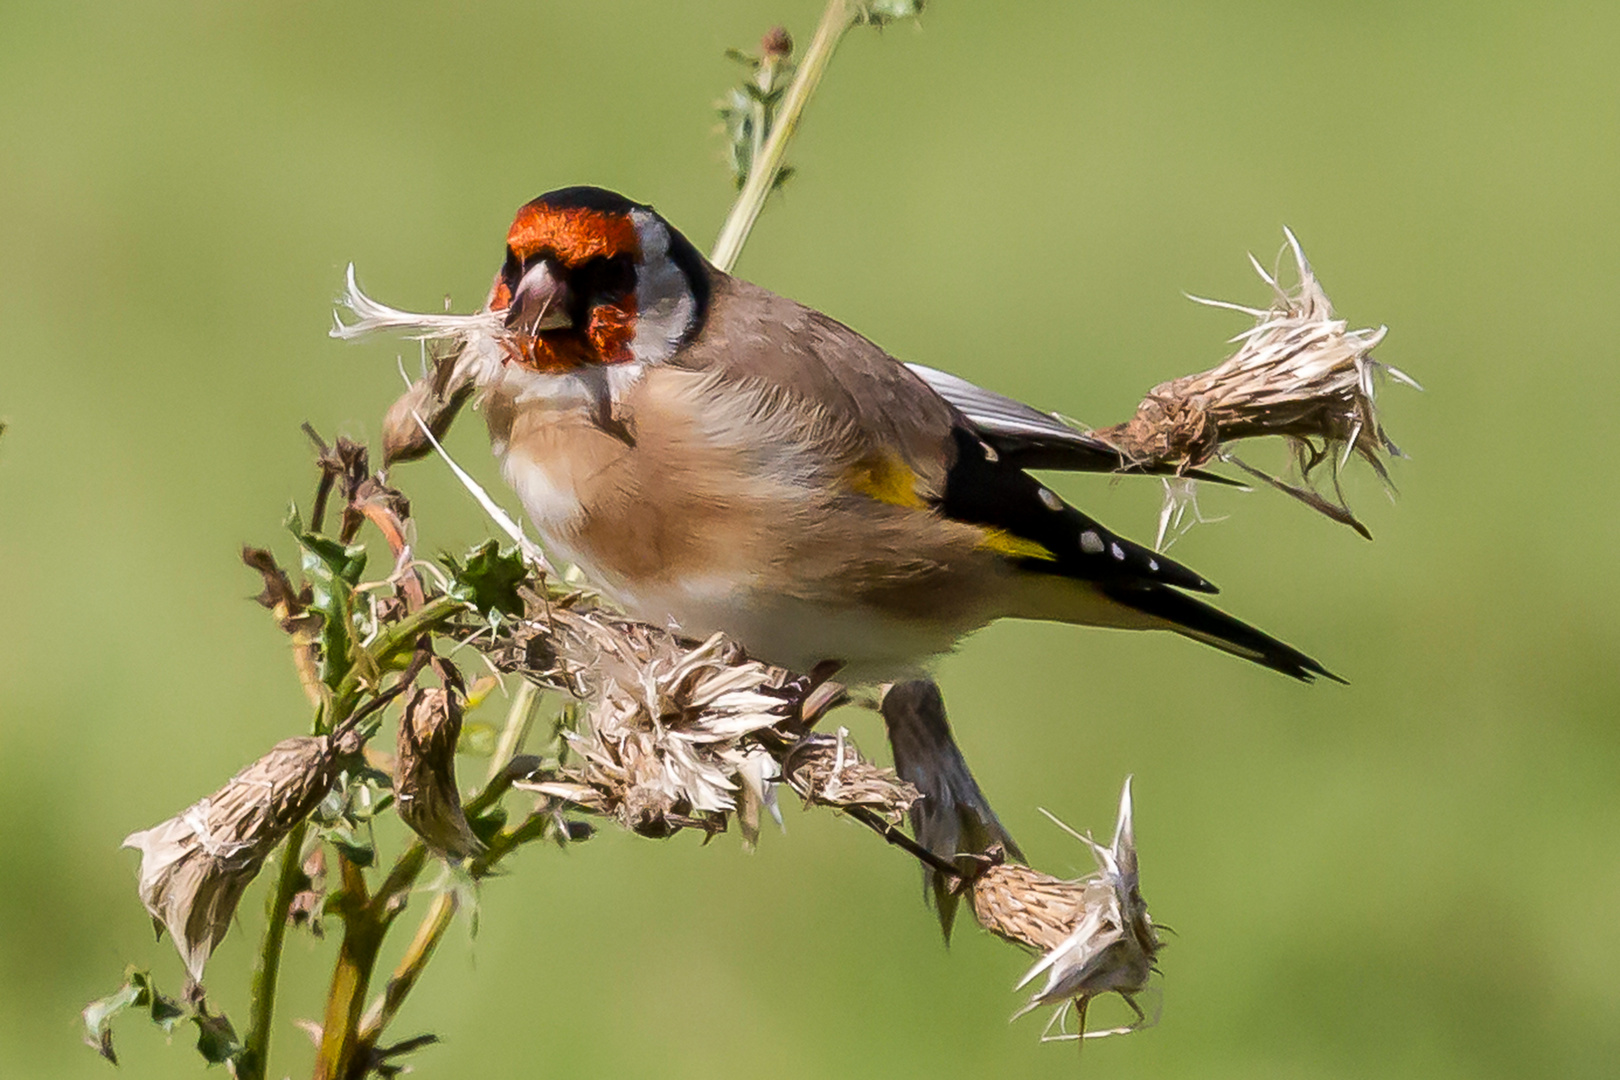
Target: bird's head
x=593 y=278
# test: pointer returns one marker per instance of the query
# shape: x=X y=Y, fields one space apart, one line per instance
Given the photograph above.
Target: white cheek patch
x=665 y=306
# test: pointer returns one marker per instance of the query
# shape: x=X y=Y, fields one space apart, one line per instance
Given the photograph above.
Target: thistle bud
x=1094 y=934
x=425 y=774
x=195 y=866
x=436 y=398
x=777 y=42
x=827 y=769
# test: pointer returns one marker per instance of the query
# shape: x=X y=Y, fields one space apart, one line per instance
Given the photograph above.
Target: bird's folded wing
x=1031 y=439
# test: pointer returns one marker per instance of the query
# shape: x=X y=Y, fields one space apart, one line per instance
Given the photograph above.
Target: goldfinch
x=716 y=457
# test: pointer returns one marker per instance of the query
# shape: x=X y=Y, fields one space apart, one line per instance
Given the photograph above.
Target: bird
x=715 y=457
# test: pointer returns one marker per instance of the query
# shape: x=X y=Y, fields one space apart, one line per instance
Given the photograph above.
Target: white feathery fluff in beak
x=540 y=301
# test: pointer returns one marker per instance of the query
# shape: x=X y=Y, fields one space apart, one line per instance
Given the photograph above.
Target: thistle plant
x=662 y=735
x=617 y=723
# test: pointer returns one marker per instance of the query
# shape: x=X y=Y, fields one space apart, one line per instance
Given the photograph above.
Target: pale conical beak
x=540 y=302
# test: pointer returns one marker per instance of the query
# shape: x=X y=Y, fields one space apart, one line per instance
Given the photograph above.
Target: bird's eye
x=604 y=279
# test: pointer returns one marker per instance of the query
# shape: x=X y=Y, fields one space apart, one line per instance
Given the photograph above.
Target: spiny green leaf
x=489 y=579
x=216 y=1039
x=138 y=992
x=354 y=842
x=333 y=569
x=326 y=556
x=98 y=1016
x=163 y=1011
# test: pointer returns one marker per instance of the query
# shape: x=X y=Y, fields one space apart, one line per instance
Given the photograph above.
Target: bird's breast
x=728 y=512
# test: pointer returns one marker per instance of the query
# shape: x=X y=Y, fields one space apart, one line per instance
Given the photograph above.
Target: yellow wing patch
x=1005 y=543
x=889 y=480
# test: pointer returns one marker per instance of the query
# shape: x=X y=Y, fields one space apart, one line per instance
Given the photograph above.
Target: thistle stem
x=401 y=637
x=836 y=21
x=351 y=976
x=872 y=821
x=389 y=901
x=267 y=968
x=428 y=935
x=519 y=719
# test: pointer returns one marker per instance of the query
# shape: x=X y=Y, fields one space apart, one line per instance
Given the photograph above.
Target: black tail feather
x=1208 y=624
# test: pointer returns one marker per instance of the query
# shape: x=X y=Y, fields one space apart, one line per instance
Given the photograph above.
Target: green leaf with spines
x=216 y=1038
x=98 y=1018
x=332 y=569
x=138 y=991
x=489 y=578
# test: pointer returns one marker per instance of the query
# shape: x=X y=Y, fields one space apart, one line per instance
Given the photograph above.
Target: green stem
x=398 y=639
x=428 y=935
x=351 y=977
x=519 y=719
x=434 y=925
x=351 y=966
x=836 y=20
x=267 y=968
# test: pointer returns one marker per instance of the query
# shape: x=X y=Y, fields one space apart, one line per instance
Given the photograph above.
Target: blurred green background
x=1415 y=875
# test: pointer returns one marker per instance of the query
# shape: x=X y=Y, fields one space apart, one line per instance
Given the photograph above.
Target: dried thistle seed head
x=1110 y=944
x=435 y=400
x=195 y=866
x=425 y=773
x=952 y=817
x=1299 y=373
x=663 y=741
x=829 y=770
x=1027 y=907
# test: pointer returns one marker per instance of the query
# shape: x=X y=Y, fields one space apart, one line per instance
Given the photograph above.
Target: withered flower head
x=195 y=866
x=425 y=773
x=1095 y=933
x=830 y=771
x=664 y=743
x=1299 y=373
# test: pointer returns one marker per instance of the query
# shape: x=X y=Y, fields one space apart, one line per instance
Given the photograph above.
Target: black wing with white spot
x=984 y=488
